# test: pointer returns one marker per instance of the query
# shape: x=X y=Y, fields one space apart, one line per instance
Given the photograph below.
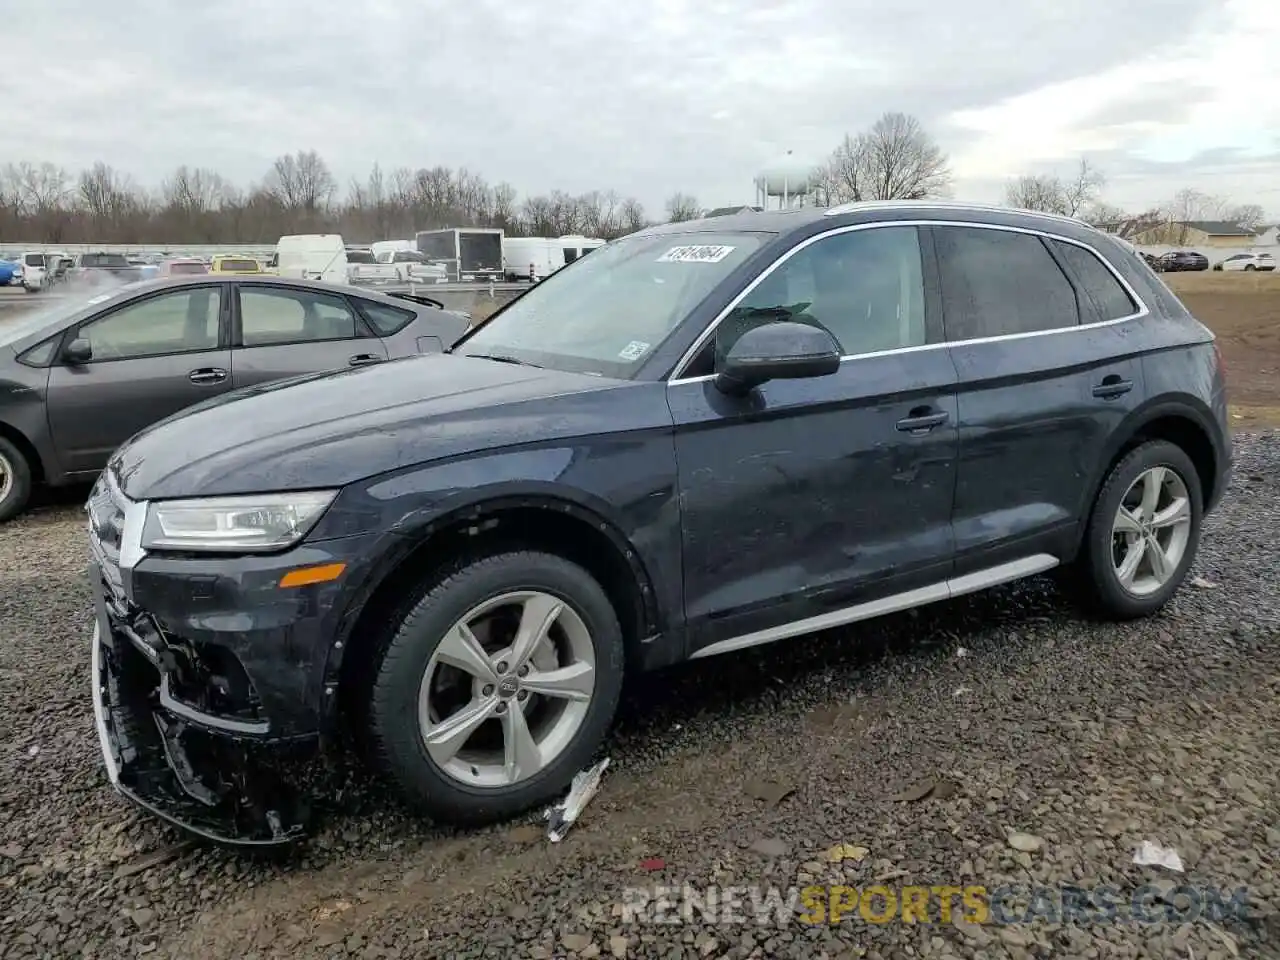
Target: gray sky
x=656 y=96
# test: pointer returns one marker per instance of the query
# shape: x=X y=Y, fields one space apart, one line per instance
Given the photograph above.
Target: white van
x=35 y=272
x=312 y=256
x=575 y=245
x=530 y=258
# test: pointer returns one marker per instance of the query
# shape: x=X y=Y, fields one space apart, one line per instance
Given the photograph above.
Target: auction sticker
x=700 y=254
x=633 y=350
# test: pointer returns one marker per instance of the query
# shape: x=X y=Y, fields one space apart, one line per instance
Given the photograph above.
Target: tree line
x=42 y=202
x=1080 y=195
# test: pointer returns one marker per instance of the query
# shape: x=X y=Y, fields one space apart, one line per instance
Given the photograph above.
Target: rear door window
x=999 y=283
x=274 y=316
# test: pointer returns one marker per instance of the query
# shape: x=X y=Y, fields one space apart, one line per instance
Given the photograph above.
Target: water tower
x=788 y=179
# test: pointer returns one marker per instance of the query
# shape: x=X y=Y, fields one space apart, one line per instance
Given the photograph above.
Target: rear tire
x=15 y=481
x=1143 y=533
x=434 y=674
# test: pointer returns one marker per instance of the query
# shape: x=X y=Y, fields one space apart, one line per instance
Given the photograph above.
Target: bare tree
x=843 y=178
x=1040 y=192
x=902 y=162
x=1250 y=216
x=1052 y=194
x=301 y=182
x=682 y=207
x=632 y=216
x=1187 y=207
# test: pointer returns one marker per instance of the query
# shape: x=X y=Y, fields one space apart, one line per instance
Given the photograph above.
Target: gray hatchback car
x=81 y=376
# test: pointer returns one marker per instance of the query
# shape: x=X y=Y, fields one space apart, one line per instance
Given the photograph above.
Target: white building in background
x=1268 y=236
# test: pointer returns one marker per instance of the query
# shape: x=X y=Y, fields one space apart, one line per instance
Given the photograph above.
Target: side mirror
x=78 y=351
x=777 y=351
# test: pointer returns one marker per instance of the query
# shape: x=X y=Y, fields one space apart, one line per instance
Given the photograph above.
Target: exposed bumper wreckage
x=180 y=724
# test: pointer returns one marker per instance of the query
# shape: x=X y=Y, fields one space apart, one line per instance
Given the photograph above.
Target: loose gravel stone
x=1091 y=737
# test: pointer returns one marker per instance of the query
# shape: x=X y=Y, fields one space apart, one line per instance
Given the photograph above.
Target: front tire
x=1143 y=532
x=15 y=481
x=1249 y=266
x=497 y=687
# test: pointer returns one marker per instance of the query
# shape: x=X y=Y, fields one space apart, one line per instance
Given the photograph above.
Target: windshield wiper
x=500 y=358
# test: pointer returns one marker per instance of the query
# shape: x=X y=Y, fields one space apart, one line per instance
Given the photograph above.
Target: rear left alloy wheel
x=497 y=687
x=1144 y=531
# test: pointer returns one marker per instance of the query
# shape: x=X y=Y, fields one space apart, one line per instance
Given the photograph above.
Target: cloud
x=1202 y=111
x=645 y=98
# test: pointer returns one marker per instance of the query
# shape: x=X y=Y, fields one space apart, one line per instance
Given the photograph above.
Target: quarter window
x=997 y=282
x=172 y=323
x=273 y=316
x=1109 y=297
x=865 y=287
x=385 y=320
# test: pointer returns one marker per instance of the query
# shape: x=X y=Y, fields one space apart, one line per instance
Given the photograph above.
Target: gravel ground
x=1023 y=718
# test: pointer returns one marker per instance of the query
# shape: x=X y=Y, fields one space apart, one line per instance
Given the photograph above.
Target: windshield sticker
x=702 y=254
x=634 y=350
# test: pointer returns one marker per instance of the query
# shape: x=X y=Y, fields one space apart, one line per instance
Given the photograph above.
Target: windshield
x=360 y=256
x=607 y=313
x=238 y=266
x=34 y=259
x=103 y=260
x=11 y=331
x=187 y=267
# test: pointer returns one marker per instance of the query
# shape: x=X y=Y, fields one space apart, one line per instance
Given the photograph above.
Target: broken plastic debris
x=565 y=813
x=1203 y=584
x=847 y=851
x=653 y=864
x=1153 y=855
x=961 y=652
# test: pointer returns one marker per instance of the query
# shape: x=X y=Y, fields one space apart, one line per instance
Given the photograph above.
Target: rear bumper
x=214 y=777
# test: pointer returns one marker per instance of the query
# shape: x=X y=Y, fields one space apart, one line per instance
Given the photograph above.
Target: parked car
x=95 y=269
x=183 y=267
x=363 y=268
x=36 y=275
x=235 y=266
x=10 y=273
x=1176 y=261
x=1247 y=262
x=79 y=378
x=702 y=437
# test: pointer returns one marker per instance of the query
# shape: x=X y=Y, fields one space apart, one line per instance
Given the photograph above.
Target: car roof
x=808 y=219
x=265 y=279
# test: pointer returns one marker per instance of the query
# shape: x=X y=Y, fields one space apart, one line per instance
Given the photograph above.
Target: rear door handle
x=1112 y=387
x=360 y=359
x=921 y=421
x=207 y=375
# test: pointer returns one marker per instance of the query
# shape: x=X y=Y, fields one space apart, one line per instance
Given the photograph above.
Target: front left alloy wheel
x=497 y=687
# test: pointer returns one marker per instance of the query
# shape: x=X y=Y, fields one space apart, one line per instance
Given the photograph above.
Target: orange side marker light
x=305 y=576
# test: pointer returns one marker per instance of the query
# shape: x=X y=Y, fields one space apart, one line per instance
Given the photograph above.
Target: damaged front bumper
x=221 y=777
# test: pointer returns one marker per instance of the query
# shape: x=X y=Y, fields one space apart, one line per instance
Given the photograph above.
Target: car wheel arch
x=35 y=462
x=535 y=521
x=1176 y=420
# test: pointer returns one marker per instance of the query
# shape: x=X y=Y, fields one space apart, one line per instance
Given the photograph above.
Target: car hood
x=326 y=430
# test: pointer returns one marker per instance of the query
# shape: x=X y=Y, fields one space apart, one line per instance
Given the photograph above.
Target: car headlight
x=243 y=524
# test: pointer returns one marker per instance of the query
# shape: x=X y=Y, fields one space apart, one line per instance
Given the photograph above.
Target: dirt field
x=1243 y=309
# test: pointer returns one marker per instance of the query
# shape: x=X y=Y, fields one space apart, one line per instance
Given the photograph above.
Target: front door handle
x=922 y=420
x=360 y=359
x=207 y=375
x=1111 y=387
